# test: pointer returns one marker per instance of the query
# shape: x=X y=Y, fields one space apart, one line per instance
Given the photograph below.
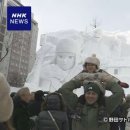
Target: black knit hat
x=92 y=87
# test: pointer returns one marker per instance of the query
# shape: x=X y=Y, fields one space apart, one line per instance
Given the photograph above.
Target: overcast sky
x=54 y=15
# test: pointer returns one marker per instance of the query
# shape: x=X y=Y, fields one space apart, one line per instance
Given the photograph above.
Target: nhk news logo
x=18 y=18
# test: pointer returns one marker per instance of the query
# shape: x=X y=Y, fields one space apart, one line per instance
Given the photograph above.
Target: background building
x=21 y=49
x=1 y=3
x=2 y=28
x=3 y=33
x=120 y=68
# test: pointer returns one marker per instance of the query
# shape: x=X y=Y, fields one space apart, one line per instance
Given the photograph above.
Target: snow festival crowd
x=63 y=109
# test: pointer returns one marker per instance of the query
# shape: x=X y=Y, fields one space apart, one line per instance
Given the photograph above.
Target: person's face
x=26 y=96
x=65 y=60
x=91 y=97
x=91 y=68
x=32 y=96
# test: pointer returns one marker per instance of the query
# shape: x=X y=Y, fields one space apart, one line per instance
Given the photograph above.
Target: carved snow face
x=65 y=60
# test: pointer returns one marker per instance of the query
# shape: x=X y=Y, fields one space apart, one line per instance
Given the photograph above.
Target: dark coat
x=2 y=126
x=34 y=107
x=21 y=119
x=44 y=121
x=125 y=107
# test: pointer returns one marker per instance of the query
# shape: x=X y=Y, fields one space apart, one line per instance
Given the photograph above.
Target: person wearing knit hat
x=91 y=114
x=92 y=86
x=92 y=92
x=92 y=72
x=6 y=103
x=92 y=63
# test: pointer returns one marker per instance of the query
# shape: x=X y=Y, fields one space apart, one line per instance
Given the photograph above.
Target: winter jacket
x=104 y=72
x=100 y=75
x=3 y=126
x=20 y=118
x=34 y=108
x=44 y=121
x=89 y=118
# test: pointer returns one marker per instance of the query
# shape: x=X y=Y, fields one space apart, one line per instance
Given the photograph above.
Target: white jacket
x=6 y=103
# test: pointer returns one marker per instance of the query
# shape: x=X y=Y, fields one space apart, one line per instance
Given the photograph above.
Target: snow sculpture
x=64 y=67
x=44 y=57
x=50 y=72
x=62 y=54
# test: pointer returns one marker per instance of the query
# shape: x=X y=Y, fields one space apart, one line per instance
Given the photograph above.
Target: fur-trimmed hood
x=6 y=103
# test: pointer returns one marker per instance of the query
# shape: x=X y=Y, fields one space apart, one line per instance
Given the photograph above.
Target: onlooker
x=96 y=107
x=21 y=118
x=53 y=116
x=92 y=65
x=35 y=105
x=32 y=96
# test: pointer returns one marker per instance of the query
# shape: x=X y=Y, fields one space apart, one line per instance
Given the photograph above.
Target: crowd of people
x=63 y=109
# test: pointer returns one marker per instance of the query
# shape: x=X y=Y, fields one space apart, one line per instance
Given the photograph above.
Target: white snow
x=49 y=71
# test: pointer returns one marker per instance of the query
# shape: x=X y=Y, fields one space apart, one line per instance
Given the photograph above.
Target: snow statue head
x=66 y=53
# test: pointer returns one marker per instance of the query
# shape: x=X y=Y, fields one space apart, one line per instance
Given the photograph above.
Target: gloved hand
x=123 y=84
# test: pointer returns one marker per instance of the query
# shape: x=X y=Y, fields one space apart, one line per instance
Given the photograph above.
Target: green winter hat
x=90 y=86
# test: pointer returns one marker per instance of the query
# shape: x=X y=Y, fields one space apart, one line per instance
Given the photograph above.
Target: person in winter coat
x=91 y=72
x=96 y=107
x=6 y=103
x=21 y=118
x=36 y=105
x=92 y=65
x=53 y=116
